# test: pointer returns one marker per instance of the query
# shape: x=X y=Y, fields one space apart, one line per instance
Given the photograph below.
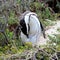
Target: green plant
x=12 y=18
x=55 y=39
x=41 y=56
x=28 y=45
x=2 y=39
x=58 y=29
x=9 y=34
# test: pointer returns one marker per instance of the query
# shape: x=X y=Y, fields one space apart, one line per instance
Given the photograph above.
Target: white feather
x=35 y=29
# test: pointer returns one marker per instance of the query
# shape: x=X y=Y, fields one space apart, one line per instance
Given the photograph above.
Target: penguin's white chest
x=34 y=27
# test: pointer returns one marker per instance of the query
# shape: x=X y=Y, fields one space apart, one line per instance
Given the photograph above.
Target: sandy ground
x=50 y=31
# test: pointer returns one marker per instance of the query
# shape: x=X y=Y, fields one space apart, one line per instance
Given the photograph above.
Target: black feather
x=23 y=27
